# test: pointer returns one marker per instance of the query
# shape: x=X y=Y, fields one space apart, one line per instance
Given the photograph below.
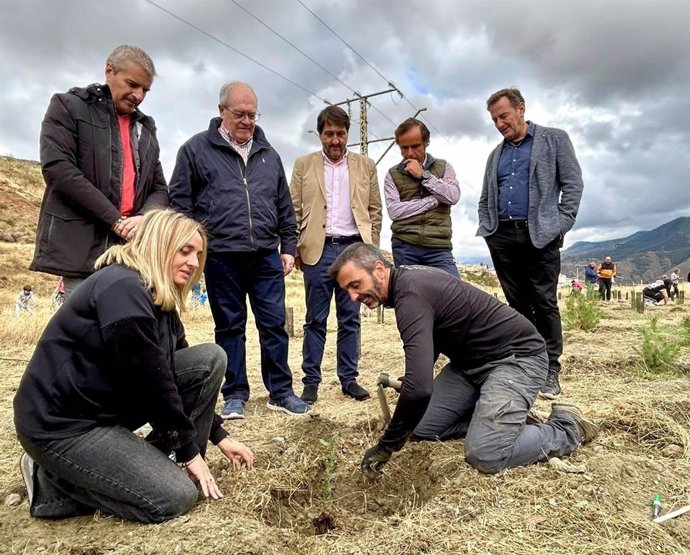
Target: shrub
x=657 y=352
x=581 y=312
x=684 y=331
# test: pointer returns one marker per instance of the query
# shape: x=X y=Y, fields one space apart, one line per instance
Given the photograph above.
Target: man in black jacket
x=99 y=158
x=232 y=180
x=497 y=365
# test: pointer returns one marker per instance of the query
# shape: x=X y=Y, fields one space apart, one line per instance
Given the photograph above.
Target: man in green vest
x=419 y=192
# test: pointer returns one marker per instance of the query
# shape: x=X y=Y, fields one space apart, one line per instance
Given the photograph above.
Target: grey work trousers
x=490 y=413
x=112 y=469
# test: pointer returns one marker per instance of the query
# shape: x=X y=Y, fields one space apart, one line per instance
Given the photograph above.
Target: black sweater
x=438 y=314
x=106 y=359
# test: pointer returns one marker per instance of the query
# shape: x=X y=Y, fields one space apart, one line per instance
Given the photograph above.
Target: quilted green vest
x=430 y=229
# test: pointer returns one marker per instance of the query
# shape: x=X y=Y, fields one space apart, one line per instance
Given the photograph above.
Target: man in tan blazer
x=337 y=202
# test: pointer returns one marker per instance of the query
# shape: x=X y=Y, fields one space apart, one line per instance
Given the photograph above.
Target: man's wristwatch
x=426 y=174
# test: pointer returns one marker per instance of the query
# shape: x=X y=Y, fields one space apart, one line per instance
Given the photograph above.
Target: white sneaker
x=26 y=467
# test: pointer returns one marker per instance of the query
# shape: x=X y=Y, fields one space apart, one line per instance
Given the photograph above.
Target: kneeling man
x=498 y=362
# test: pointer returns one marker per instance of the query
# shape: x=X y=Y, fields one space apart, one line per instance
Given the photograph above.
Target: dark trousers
x=319 y=290
x=405 y=254
x=605 y=288
x=529 y=279
x=491 y=415
x=112 y=469
x=231 y=277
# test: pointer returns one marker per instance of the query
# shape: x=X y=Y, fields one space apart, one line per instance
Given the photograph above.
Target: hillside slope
x=642 y=256
x=21 y=191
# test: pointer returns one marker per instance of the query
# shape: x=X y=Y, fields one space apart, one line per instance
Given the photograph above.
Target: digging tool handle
x=672 y=514
x=384 y=403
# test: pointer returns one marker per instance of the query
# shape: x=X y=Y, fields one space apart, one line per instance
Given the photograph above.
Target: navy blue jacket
x=244 y=208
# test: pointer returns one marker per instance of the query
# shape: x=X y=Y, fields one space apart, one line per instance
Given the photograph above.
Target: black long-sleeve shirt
x=438 y=314
x=106 y=359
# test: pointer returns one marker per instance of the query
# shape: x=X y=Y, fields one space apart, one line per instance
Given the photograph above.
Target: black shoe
x=310 y=394
x=551 y=388
x=356 y=391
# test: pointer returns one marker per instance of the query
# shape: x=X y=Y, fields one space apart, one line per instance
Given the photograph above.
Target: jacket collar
x=97 y=93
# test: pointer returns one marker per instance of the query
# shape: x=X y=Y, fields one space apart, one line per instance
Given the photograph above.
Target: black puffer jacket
x=244 y=208
x=81 y=160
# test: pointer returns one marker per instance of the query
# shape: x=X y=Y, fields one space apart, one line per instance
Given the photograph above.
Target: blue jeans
x=491 y=415
x=111 y=469
x=405 y=254
x=230 y=278
x=319 y=289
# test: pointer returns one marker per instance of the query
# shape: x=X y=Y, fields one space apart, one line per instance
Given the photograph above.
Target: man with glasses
x=232 y=180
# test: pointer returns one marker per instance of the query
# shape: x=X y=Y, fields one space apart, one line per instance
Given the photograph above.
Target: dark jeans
x=231 y=277
x=319 y=289
x=412 y=255
x=491 y=415
x=111 y=469
x=605 y=288
x=529 y=279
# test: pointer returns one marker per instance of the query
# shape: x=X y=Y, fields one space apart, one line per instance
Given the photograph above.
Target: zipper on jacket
x=249 y=204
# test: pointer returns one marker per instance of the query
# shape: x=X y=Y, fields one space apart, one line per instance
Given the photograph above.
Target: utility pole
x=363 y=100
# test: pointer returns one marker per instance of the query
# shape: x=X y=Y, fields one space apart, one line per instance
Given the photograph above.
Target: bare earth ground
x=307 y=495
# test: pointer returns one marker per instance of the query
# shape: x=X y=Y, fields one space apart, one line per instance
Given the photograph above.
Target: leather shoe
x=356 y=391
x=310 y=394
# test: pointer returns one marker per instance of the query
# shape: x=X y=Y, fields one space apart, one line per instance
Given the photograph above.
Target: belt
x=343 y=240
x=513 y=223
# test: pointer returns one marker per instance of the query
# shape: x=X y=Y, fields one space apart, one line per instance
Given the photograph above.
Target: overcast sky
x=615 y=75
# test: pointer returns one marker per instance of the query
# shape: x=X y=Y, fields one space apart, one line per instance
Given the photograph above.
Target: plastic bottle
x=656 y=506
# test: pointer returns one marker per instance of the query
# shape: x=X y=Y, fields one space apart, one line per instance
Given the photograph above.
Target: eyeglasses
x=239 y=116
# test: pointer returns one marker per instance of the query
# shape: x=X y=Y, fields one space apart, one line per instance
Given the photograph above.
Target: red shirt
x=128 y=173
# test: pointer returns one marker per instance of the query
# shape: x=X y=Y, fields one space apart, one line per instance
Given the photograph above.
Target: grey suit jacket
x=555 y=188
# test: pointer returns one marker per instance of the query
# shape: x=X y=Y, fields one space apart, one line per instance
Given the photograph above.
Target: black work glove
x=374 y=459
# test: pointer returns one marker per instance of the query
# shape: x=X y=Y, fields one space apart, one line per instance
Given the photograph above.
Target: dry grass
x=306 y=494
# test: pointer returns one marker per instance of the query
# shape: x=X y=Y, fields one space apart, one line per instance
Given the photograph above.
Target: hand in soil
x=374 y=459
x=239 y=454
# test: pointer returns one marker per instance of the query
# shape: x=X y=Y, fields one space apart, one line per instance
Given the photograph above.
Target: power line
x=307 y=56
x=344 y=42
x=220 y=41
x=388 y=81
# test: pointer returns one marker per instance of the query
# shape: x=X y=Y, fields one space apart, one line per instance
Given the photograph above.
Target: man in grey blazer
x=529 y=200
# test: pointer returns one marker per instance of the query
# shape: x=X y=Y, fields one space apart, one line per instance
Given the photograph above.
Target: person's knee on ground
x=180 y=497
x=485 y=459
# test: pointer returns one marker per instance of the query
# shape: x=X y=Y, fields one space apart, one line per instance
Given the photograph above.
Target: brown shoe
x=587 y=427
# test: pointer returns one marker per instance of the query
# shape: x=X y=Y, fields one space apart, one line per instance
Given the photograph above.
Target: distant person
x=335 y=194
x=606 y=271
x=497 y=365
x=123 y=362
x=99 y=157
x=24 y=302
x=675 y=279
x=231 y=179
x=591 y=276
x=529 y=200
x=419 y=192
x=59 y=294
x=575 y=286
x=658 y=292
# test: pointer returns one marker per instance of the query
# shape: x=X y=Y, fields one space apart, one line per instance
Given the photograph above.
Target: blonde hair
x=159 y=237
